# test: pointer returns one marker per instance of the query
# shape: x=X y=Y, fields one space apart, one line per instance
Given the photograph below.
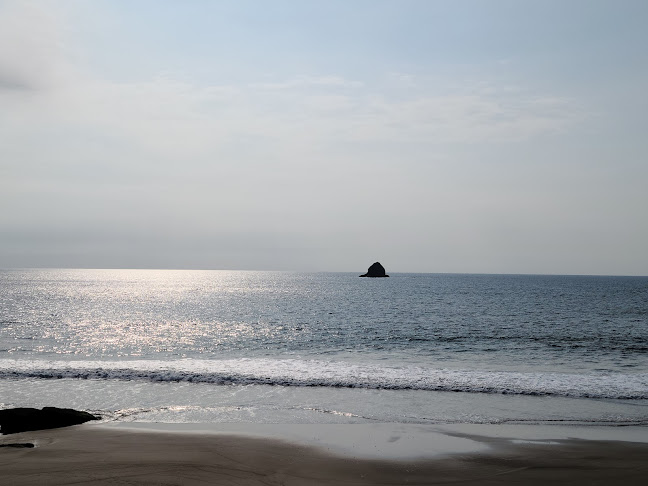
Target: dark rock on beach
x=14 y=420
x=19 y=445
x=375 y=270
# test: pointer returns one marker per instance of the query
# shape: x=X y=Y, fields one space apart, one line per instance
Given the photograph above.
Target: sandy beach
x=100 y=454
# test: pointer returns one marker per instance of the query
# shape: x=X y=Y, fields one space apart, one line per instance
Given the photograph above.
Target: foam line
x=314 y=373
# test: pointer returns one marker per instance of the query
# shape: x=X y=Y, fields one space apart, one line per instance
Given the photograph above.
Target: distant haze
x=497 y=136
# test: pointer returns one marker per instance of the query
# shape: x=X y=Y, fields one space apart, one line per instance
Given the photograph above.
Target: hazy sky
x=495 y=136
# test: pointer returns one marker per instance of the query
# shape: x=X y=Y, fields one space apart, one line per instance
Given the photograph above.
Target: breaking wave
x=337 y=374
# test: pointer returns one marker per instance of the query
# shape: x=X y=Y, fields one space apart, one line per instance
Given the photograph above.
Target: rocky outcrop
x=375 y=270
x=13 y=420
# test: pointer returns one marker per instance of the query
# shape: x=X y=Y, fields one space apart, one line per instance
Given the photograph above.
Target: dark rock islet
x=375 y=270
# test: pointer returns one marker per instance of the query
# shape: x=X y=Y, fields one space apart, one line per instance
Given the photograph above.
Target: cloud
x=309 y=82
x=32 y=53
x=50 y=101
x=461 y=118
x=166 y=130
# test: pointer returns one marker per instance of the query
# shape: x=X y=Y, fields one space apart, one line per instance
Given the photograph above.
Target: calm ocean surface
x=222 y=346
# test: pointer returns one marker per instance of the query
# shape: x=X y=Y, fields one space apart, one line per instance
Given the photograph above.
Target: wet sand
x=96 y=454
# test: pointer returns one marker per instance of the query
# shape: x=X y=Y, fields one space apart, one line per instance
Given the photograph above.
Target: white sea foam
x=338 y=374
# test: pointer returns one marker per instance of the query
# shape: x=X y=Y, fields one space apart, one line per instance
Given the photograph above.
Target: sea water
x=280 y=347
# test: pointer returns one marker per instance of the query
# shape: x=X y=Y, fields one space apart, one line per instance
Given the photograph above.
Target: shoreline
x=280 y=454
x=398 y=441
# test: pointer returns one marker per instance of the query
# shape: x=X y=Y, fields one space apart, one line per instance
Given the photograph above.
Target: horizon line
x=531 y=274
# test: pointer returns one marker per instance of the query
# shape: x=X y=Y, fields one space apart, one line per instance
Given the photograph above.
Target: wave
x=338 y=374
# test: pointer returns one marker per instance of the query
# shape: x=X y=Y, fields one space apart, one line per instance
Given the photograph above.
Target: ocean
x=181 y=346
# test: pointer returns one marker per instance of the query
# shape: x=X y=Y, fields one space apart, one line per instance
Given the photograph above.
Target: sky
x=467 y=136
